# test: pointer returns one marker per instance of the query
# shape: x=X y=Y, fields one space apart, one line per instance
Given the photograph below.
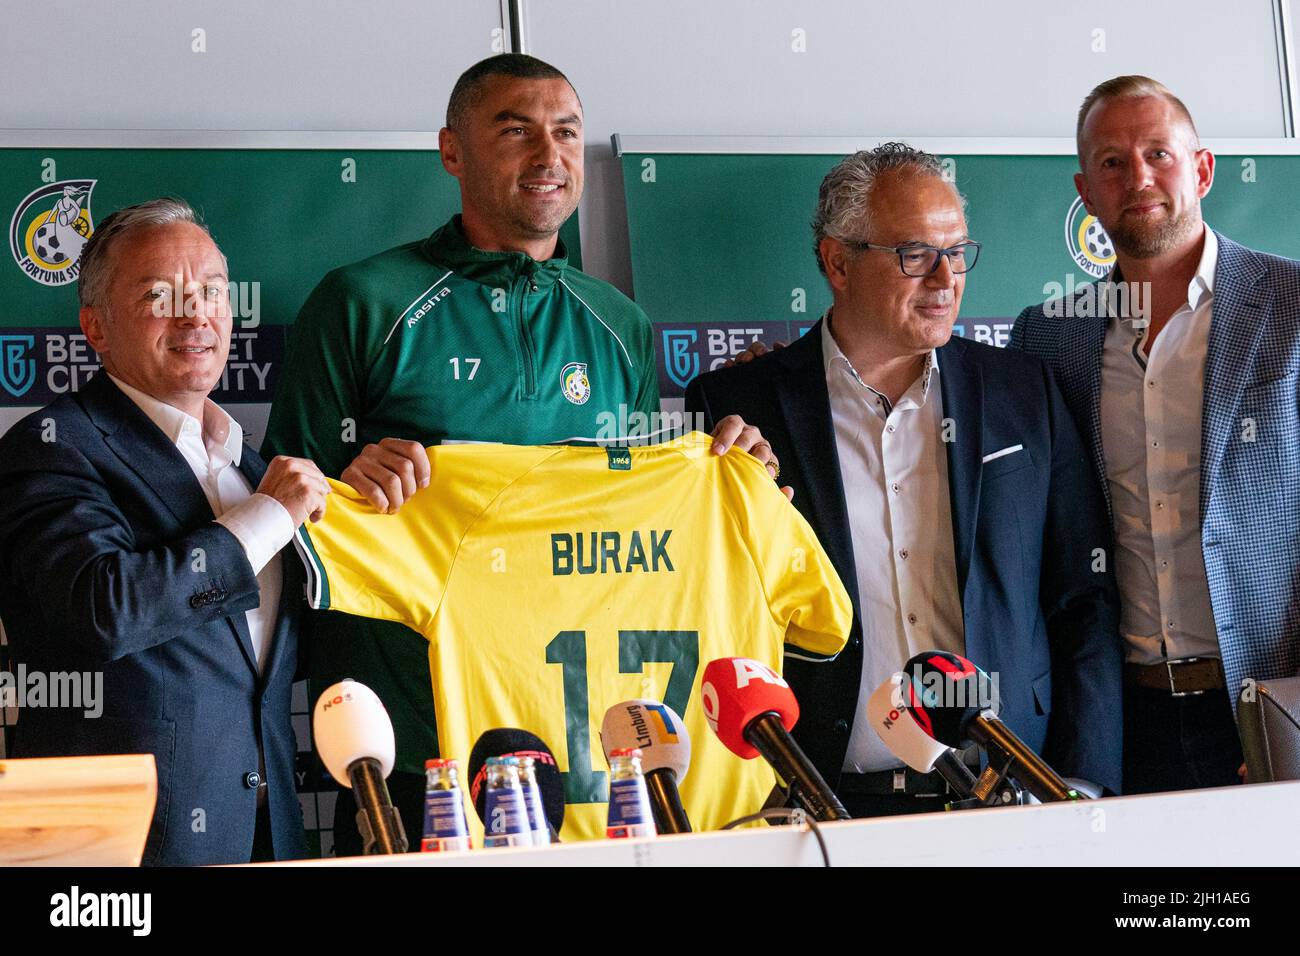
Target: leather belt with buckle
x=1182 y=677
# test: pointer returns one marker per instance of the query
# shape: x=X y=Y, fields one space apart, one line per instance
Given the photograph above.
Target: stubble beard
x=1148 y=241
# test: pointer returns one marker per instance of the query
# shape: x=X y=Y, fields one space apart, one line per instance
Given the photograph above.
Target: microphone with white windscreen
x=354 y=737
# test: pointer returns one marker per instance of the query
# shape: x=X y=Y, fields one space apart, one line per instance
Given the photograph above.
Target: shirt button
x=896 y=487
x=1151 y=384
x=1160 y=506
x=252 y=780
x=911 y=619
x=902 y=553
x=1155 y=444
x=889 y=428
x=1164 y=564
x=841 y=726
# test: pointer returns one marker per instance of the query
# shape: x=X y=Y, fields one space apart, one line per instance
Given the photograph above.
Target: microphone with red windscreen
x=752 y=709
x=954 y=701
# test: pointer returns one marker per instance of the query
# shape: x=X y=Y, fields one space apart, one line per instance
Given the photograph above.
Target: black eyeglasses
x=919 y=261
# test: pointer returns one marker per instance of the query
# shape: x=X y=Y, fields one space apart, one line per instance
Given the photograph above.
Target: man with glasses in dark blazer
x=946 y=480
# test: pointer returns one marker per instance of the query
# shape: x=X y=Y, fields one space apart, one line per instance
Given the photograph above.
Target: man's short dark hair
x=469 y=88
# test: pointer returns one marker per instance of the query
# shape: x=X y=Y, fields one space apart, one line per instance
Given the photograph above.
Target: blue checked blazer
x=1250 y=448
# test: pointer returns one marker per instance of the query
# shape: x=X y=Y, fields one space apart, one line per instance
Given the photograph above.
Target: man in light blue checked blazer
x=1185 y=391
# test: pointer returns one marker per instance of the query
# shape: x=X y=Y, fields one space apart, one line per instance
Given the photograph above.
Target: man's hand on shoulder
x=756 y=348
x=732 y=431
x=390 y=473
x=298 y=485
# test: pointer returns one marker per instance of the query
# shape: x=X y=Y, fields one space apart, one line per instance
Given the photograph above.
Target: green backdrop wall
x=283 y=217
x=722 y=248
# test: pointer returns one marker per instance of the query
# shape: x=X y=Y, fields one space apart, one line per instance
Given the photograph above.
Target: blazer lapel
x=962 y=386
x=806 y=409
x=1237 y=320
x=143 y=448
x=253 y=468
x=1083 y=341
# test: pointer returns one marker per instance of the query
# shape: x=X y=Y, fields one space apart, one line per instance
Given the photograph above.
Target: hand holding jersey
x=554 y=581
x=732 y=430
x=298 y=485
x=389 y=473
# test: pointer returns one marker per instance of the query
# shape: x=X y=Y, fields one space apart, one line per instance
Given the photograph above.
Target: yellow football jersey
x=553 y=582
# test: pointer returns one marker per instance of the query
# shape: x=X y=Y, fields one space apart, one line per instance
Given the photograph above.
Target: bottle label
x=536 y=815
x=629 y=810
x=445 y=829
x=507 y=819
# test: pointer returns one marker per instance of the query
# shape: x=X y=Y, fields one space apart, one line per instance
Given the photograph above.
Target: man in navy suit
x=139 y=538
x=1185 y=387
x=948 y=484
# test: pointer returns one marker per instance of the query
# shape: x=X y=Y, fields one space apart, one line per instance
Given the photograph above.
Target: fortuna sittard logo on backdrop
x=49 y=229
x=574 y=383
x=1090 y=247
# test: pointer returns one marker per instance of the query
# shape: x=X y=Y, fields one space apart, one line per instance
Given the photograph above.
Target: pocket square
x=1009 y=450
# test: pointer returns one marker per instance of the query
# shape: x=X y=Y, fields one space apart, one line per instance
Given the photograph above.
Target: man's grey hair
x=96 y=263
x=844 y=198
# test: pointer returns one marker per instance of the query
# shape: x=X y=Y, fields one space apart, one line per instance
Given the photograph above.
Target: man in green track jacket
x=481 y=332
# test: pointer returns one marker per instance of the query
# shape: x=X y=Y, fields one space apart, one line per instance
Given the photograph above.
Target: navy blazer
x=110 y=561
x=1027 y=527
x=1250 y=448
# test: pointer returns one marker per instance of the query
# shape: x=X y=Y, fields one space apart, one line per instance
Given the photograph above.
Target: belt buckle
x=900 y=781
x=1173 y=688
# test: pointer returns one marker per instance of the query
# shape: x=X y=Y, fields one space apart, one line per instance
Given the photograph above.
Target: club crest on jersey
x=50 y=228
x=574 y=383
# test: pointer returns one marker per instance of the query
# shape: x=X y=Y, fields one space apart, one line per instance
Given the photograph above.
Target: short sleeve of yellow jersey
x=395 y=567
x=804 y=592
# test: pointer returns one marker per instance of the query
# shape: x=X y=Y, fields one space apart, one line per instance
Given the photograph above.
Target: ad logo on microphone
x=746 y=671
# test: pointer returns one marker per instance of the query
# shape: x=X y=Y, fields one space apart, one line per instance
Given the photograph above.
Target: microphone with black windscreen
x=752 y=709
x=513 y=742
x=657 y=731
x=953 y=701
x=354 y=738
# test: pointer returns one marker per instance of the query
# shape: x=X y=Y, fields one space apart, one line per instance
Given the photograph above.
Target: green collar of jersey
x=449 y=247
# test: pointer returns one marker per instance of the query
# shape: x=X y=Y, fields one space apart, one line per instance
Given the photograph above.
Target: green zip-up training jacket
x=438 y=341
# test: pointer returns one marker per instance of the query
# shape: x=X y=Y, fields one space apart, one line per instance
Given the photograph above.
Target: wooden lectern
x=76 y=811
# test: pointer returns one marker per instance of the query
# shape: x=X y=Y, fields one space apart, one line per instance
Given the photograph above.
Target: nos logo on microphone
x=346 y=696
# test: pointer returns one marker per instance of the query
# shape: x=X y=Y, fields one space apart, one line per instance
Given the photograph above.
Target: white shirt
x=894 y=466
x=260 y=523
x=1151 y=440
